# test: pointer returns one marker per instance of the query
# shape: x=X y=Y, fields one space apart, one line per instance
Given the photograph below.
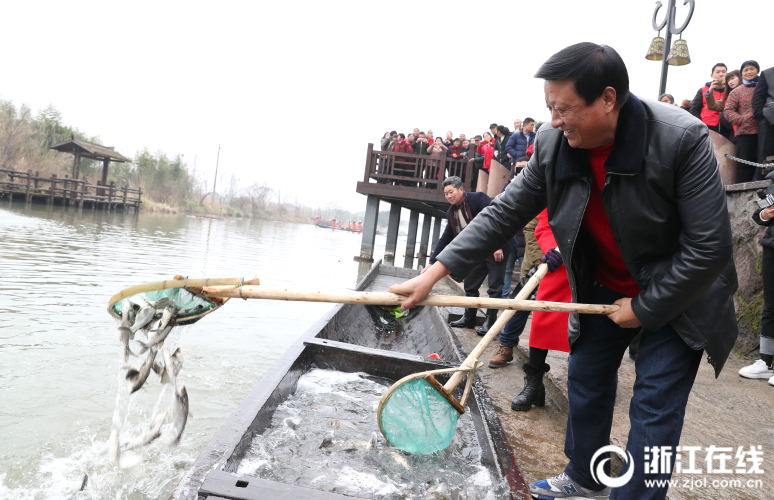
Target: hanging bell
x=656 y=49
x=679 y=56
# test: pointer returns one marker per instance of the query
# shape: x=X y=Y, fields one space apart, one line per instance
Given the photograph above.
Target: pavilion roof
x=90 y=150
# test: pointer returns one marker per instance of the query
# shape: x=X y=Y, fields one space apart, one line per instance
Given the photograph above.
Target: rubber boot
x=491 y=317
x=468 y=319
x=534 y=392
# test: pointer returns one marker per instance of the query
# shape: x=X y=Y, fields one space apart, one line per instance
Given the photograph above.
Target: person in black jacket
x=762 y=368
x=464 y=208
x=503 y=134
x=763 y=111
x=656 y=242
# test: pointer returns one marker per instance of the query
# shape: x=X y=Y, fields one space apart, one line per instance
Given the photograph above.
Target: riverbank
x=223 y=211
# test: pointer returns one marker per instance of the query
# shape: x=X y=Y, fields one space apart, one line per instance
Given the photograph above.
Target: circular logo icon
x=599 y=473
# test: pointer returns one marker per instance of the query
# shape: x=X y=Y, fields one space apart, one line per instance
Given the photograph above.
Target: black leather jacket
x=666 y=204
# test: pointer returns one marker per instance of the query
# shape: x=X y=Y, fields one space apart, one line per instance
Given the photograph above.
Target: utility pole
x=216 y=176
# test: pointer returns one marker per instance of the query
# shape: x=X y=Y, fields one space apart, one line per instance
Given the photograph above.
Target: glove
x=553 y=260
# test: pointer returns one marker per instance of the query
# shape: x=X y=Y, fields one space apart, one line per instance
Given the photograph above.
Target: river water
x=60 y=361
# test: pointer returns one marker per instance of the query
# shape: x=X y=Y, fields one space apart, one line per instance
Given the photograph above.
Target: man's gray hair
x=453 y=181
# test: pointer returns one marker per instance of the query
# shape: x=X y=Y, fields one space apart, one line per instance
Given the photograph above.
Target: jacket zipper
x=572 y=248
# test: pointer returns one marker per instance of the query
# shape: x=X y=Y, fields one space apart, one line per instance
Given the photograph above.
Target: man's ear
x=609 y=98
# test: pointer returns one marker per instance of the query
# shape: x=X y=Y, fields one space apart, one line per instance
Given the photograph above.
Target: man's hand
x=767 y=213
x=553 y=259
x=624 y=317
x=424 y=269
x=498 y=256
x=416 y=289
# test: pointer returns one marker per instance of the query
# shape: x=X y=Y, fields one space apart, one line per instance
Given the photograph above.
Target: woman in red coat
x=549 y=329
x=486 y=149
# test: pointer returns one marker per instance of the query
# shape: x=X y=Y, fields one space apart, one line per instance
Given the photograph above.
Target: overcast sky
x=294 y=91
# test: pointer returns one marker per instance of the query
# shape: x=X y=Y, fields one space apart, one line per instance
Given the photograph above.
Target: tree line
x=25 y=139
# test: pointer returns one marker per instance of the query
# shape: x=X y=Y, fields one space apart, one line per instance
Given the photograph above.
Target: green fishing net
x=417 y=419
x=190 y=305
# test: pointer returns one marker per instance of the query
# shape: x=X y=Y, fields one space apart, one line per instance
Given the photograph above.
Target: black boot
x=468 y=319
x=534 y=392
x=491 y=317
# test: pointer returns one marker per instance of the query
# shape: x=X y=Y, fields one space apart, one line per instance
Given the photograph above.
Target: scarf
x=455 y=223
x=750 y=83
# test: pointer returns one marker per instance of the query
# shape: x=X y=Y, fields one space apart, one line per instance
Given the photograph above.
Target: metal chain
x=759 y=165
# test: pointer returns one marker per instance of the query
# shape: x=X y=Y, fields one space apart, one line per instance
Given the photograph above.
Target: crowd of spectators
x=499 y=143
x=737 y=104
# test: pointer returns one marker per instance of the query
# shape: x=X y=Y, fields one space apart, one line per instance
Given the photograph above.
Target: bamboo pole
x=392 y=299
x=494 y=330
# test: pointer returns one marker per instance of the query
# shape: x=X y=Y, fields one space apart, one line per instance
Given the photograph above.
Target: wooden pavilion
x=85 y=149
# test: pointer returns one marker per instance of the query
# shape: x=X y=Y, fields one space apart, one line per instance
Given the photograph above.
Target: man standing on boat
x=637 y=206
x=464 y=208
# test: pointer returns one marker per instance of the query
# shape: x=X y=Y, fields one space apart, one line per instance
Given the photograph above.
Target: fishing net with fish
x=192 y=307
x=417 y=418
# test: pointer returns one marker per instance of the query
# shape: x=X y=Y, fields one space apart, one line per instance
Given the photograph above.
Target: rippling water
x=60 y=361
x=326 y=437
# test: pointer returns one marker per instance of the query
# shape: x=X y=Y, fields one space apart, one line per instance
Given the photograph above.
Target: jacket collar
x=628 y=151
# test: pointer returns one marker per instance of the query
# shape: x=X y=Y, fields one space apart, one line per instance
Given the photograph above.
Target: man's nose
x=556 y=120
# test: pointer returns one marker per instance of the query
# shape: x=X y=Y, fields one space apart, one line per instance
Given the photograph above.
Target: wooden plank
x=29 y=184
x=53 y=188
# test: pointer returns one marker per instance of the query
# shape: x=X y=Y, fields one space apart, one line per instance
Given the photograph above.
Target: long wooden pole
x=392 y=299
x=525 y=292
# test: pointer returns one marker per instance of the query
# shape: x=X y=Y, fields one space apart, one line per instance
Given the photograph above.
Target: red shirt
x=611 y=270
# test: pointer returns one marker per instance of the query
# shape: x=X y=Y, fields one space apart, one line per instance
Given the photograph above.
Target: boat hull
x=334 y=343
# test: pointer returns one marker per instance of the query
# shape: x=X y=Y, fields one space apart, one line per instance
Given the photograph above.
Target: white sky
x=294 y=91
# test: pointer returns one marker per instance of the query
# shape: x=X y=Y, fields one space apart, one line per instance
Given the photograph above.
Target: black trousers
x=765 y=140
x=767 y=319
x=496 y=273
x=747 y=149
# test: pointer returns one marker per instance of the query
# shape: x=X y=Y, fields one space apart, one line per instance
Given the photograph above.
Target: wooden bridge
x=29 y=186
x=408 y=181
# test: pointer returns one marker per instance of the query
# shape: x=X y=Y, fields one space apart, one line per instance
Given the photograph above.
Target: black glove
x=553 y=259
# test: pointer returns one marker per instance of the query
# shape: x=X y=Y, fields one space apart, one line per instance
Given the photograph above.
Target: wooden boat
x=346 y=339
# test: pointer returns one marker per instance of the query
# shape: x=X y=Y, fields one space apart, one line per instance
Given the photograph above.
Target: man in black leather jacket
x=637 y=206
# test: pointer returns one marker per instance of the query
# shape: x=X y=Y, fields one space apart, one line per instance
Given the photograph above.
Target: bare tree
x=258 y=195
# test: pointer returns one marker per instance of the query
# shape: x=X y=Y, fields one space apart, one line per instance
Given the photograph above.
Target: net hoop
x=386 y=396
x=181 y=283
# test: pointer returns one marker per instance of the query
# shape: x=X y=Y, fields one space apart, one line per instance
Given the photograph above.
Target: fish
x=114 y=451
x=166 y=323
x=138 y=300
x=179 y=412
x=151 y=432
x=138 y=376
x=342 y=423
x=372 y=442
x=126 y=308
x=125 y=334
x=161 y=303
x=400 y=459
x=77 y=494
x=143 y=317
x=174 y=360
x=327 y=441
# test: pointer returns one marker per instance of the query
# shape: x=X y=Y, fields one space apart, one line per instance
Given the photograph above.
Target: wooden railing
x=418 y=171
x=70 y=191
